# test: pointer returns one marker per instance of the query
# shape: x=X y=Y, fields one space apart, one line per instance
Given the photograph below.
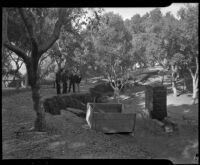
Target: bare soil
x=68 y=137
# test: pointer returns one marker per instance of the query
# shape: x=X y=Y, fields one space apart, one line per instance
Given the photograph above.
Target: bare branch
x=8 y=45
x=10 y=55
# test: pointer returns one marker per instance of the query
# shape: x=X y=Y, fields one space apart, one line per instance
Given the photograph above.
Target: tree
x=164 y=44
x=189 y=43
x=111 y=50
x=46 y=66
x=36 y=30
x=29 y=33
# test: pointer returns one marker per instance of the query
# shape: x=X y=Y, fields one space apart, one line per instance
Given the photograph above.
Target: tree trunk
x=163 y=76
x=26 y=80
x=33 y=79
x=116 y=94
x=40 y=124
x=174 y=79
x=195 y=88
x=174 y=88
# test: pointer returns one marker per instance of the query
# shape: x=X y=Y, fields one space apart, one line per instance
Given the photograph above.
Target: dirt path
x=179 y=147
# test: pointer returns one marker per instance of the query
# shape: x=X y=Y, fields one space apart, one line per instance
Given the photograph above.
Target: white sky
x=127 y=13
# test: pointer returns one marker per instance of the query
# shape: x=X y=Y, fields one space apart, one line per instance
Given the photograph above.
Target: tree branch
x=190 y=70
x=29 y=26
x=17 y=50
x=197 y=66
x=42 y=59
x=56 y=32
x=20 y=65
x=46 y=71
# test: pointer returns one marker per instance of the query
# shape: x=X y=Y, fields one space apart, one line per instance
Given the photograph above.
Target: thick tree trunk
x=33 y=79
x=40 y=124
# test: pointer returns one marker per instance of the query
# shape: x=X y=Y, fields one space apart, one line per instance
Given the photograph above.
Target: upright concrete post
x=156 y=101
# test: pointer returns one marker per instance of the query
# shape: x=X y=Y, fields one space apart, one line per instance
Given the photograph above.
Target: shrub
x=54 y=104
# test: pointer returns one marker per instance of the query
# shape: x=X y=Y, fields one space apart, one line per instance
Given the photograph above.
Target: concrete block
x=109 y=118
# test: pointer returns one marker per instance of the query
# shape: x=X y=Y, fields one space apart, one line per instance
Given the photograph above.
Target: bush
x=54 y=104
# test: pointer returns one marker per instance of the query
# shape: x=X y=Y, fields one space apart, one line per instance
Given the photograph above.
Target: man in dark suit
x=58 y=80
x=77 y=79
x=65 y=77
x=71 y=82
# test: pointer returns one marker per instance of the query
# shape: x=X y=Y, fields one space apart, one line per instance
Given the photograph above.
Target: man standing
x=58 y=80
x=64 y=80
x=78 y=78
x=71 y=82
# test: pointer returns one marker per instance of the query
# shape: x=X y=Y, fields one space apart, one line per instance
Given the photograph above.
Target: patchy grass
x=67 y=137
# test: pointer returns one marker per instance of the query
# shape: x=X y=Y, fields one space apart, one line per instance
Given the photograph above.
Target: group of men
x=64 y=76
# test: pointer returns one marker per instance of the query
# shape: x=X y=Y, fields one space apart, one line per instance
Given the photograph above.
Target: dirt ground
x=69 y=138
